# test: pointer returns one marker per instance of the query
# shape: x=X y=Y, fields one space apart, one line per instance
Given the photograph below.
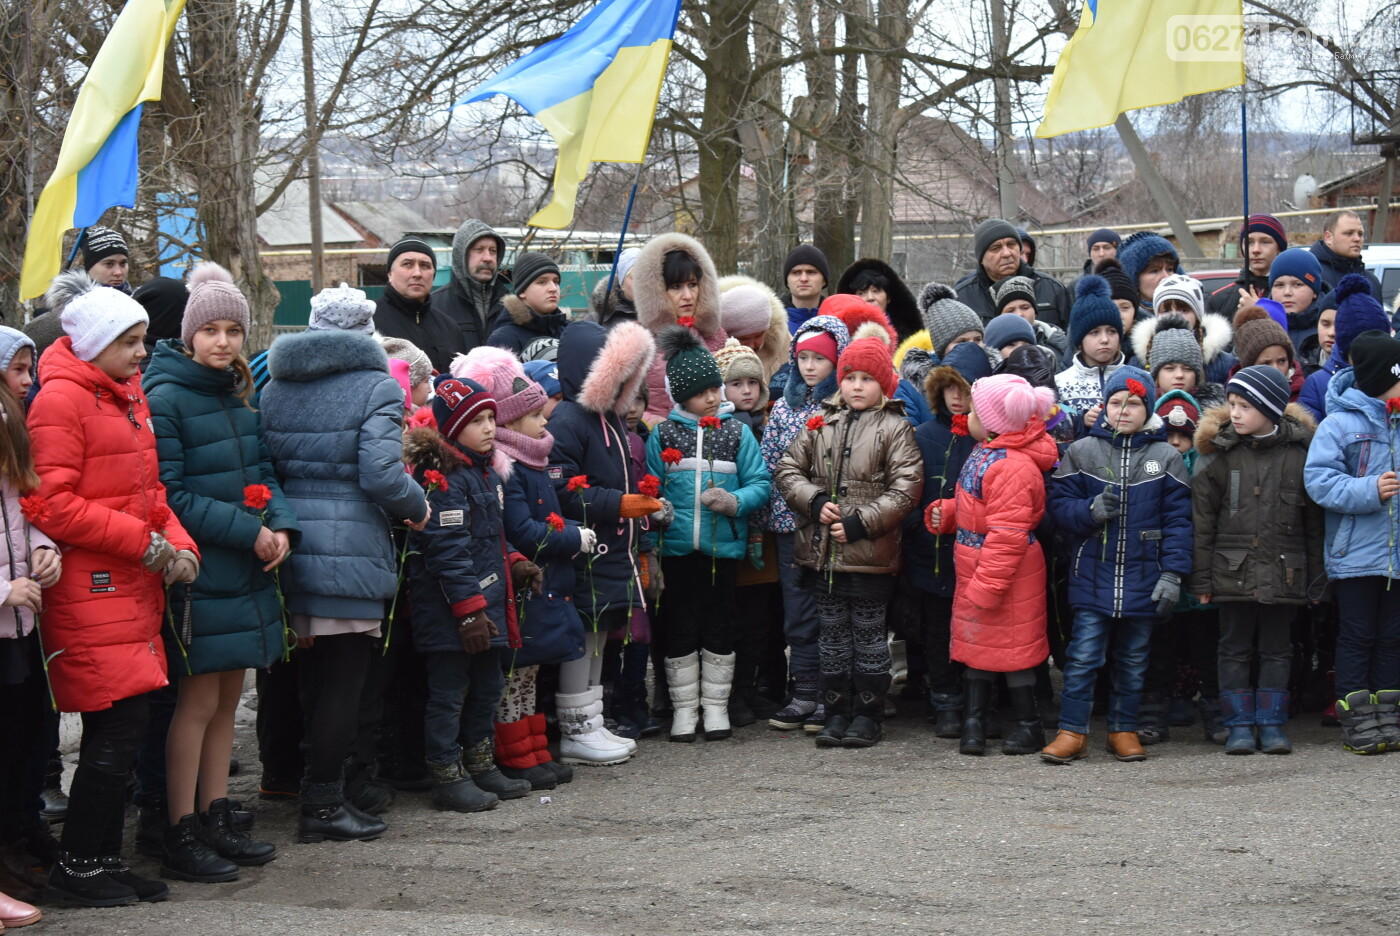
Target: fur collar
x=649 y=285
x=1216 y=335
x=940 y=379
x=617 y=372
x=426 y=449
x=310 y=355
x=777 y=341
x=1214 y=434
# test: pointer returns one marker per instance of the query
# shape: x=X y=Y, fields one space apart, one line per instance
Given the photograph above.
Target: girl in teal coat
x=220 y=483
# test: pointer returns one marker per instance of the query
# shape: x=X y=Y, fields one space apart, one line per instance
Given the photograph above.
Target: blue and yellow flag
x=96 y=166
x=595 y=90
x=1128 y=54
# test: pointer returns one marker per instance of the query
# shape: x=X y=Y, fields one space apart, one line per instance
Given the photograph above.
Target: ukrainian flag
x=97 y=163
x=595 y=90
x=1128 y=54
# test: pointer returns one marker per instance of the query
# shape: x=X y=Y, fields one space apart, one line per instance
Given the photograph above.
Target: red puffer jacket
x=96 y=456
x=999 y=603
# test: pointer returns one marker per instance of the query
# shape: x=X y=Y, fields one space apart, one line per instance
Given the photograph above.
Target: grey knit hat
x=1014 y=287
x=11 y=340
x=945 y=317
x=341 y=308
x=1173 y=342
x=420 y=368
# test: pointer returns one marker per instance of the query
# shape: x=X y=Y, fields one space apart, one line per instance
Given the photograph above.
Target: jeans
x=800 y=622
x=1085 y=656
x=1368 y=635
x=1243 y=624
x=463 y=689
x=698 y=609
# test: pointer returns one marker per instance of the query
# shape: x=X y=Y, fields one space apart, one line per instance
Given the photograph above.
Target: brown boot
x=1125 y=746
x=1067 y=746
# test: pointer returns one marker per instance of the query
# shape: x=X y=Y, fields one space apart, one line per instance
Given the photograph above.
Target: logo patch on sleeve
x=488 y=581
x=451 y=518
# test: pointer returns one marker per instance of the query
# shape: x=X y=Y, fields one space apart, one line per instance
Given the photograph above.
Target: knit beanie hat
x=1266 y=389
x=1120 y=285
x=456 y=401
x=212 y=297
x=412 y=245
x=862 y=319
x=745 y=310
x=1255 y=330
x=1375 y=356
x=737 y=361
x=101 y=243
x=1357 y=311
x=806 y=253
x=529 y=267
x=164 y=300
x=92 y=315
x=690 y=367
x=11 y=341
x=944 y=316
x=341 y=308
x=1092 y=308
x=872 y=356
x=1137 y=251
x=625 y=261
x=988 y=233
x=1276 y=311
x=1174 y=342
x=1006 y=328
x=1182 y=288
x=1298 y=262
x=420 y=368
x=1006 y=403
x=546 y=374
x=1136 y=381
x=1179 y=412
x=503 y=376
x=1265 y=224
x=969 y=361
x=1012 y=288
x=1103 y=236
x=818 y=341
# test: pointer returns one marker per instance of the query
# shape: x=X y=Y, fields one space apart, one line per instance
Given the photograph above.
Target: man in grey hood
x=474 y=291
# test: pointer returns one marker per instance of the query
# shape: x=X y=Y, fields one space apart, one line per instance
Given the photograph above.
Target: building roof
x=288 y=222
x=384 y=223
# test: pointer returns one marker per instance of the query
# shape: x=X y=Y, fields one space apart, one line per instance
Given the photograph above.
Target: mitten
x=183 y=568
x=720 y=501
x=652 y=582
x=636 y=506
x=475 y=632
x=159 y=554
x=664 y=517
x=587 y=540
x=756 y=554
x=1166 y=594
x=1107 y=505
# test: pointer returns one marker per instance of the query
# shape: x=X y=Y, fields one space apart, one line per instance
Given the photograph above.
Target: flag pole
x=626 y=220
x=77 y=245
x=1244 y=147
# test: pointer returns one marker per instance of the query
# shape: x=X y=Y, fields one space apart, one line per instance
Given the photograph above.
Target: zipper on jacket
x=1122 y=534
x=699 y=462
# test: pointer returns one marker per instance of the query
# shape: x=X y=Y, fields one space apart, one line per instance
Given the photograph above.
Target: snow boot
x=1270 y=715
x=683 y=682
x=581 y=738
x=1238 y=707
x=716 y=683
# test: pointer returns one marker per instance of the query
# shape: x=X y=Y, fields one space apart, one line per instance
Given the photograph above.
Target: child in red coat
x=999 y=603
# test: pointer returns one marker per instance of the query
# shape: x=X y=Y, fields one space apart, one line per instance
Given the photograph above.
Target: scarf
x=522 y=448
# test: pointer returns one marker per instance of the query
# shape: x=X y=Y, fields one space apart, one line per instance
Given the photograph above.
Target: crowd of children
x=428 y=570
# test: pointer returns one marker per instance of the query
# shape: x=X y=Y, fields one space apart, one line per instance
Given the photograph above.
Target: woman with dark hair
x=876 y=281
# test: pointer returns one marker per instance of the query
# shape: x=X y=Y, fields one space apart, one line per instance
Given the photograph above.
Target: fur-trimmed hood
x=311 y=355
x=777 y=341
x=1214 y=335
x=426 y=449
x=603 y=306
x=649 y=285
x=901 y=307
x=963 y=366
x=1215 y=434
x=796 y=392
x=601 y=369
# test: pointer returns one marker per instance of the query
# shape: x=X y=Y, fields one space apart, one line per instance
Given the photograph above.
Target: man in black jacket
x=998 y=250
x=1339 y=253
x=472 y=296
x=1262 y=239
x=404 y=311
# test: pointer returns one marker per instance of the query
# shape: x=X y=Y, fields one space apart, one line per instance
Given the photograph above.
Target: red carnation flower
x=709 y=422
x=434 y=480
x=686 y=321
x=1392 y=405
x=556 y=522
x=257 y=496
x=160 y=517
x=1136 y=388
x=960 y=425
x=671 y=456
x=649 y=485
x=816 y=424
x=36 y=509
x=578 y=481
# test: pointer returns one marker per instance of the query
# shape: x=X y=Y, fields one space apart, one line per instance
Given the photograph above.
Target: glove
x=1107 y=505
x=720 y=501
x=636 y=506
x=184 y=568
x=664 y=517
x=475 y=632
x=652 y=582
x=524 y=572
x=756 y=554
x=159 y=554
x=1166 y=594
x=587 y=540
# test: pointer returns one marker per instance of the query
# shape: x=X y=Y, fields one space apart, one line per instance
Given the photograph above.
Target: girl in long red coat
x=100 y=498
x=999 y=602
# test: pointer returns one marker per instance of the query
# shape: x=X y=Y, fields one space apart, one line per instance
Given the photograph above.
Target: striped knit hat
x=456 y=401
x=1264 y=387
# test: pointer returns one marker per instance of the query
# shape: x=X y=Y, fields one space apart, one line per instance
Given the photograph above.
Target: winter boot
x=364 y=789
x=683 y=681
x=150 y=829
x=326 y=815
x=454 y=791
x=1179 y=713
x=189 y=858
x=1125 y=746
x=815 y=722
x=661 y=692
x=581 y=739
x=977 y=696
x=148 y=890
x=1067 y=746
x=741 y=713
x=518 y=757
x=1271 y=714
x=480 y=762
x=798 y=709
x=836 y=700
x=85 y=881
x=1026 y=736
x=629 y=743
x=868 y=707
x=947 y=714
x=1238 y=707
x=1154 y=726
x=1361 y=720
x=539 y=728
x=16 y=913
x=1387 y=703
x=55 y=800
x=221 y=835
x=635 y=713
x=716 y=683
x=1212 y=720
x=899 y=662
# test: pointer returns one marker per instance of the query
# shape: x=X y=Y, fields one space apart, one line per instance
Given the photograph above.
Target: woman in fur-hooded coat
x=900 y=304
x=773 y=352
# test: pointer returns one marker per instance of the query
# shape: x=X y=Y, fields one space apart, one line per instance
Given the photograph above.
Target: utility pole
x=313 y=145
x=1162 y=195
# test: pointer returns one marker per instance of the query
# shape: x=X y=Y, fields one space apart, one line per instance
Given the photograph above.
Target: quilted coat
x=23 y=539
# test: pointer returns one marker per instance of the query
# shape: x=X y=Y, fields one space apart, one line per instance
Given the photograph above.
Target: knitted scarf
x=522 y=448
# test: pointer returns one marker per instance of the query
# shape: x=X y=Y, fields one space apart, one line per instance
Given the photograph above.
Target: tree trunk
x=726 y=85
x=776 y=228
x=836 y=200
x=883 y=122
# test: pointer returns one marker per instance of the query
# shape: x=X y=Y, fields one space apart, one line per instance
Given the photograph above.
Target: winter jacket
x=468 y=303
x=869 y=464
x=1334 y=267
x=211 y=448
x=599 y=373
x=531 y=337
x=95 y=452
x=797 y=317
x=726 y=457
x=789 y=416
x=900 y=304
x=1115 y=567
x=427 y=329
x=929 y=558
x=1053 y=339
x=333 y=419
x=915 y=406
x=654 y=309
x=1215 y=336
x=1052 y=298
x=777 y=340
x=1080 y=386
x=1302 y=327
x=1258 y=534
x=1313 y=396
x=999 y=605
x=1354 y=446
x=22 y=539
x=608 y=310
x=1225 y=301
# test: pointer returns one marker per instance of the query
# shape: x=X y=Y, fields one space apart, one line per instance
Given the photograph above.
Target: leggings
x=698 y=610
x=97 y=799
x=331 y=675
x=853 y=638
x=24 y=706
x=518 y=699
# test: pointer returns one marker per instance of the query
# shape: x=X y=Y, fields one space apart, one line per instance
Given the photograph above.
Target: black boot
x=1026 y=736
x=150 y=829
x=85 y=881
x=364 y=789
x=868 y=705
x=947 y=714
x=835 y=695
x=480 y=762
x=977 y=695
x=55 y=800
x=224 y=838
x=453 y=789
x=189 y=858
x=741 y=714
x=635 y=712
x=326 y=815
